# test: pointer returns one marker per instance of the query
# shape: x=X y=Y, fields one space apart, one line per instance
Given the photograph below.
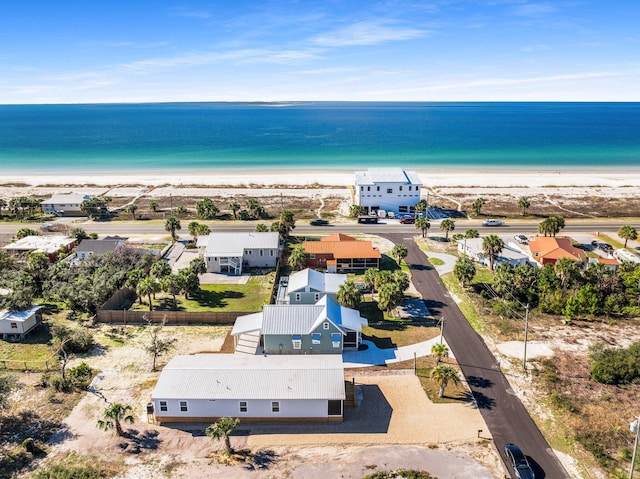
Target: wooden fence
x=29 y=364
x=171 y=317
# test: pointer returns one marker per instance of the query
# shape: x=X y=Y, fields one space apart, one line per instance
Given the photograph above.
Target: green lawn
x=249 y=297
x=396 y=334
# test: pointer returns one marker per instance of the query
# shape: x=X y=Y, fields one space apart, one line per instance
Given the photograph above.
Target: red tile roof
x=554 y=248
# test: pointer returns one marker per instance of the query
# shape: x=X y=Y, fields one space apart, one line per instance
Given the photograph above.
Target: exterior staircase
x=248 y=343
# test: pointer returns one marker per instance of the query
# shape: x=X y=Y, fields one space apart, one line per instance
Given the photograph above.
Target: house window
x=325 y=325
x=163 y=406
x=215 y=259
x=362 y=188
x=317 y=296
x=275 y=406
x=315 y=338
x=249 y=252
x=261 y=252
x=243 y=406
x=14 y=325
x=312 y=256
x=401 y=188
x=378 y=188
x=298 y=296
x=368 y=188
x=271 y=252
x=409 y=187
x=389 y=190
x=296 y=340
x=335 y=340
x=183 y=406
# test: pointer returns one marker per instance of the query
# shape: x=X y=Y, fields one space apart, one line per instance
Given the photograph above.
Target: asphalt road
x=506 y=417
x=128 y=228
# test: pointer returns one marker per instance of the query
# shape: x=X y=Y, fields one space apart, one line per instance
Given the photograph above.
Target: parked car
x=518 y=462
x=522 y=239
x=363 y=288
x=318 y=222
x=492 y=223
x=606 y=247
x=407 y=220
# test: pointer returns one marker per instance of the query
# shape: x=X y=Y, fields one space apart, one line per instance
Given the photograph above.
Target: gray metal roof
x=66 y=198
x=316 y=281
x=98 y=246
x=234 y=244
x=387 y=175
x=241 y=376
x=19 y=315
x=304 y=318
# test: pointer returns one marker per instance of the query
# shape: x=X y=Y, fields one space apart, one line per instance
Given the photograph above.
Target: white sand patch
x=534 y=349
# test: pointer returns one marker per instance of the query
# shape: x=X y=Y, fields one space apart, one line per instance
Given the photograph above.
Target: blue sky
x=406 y=50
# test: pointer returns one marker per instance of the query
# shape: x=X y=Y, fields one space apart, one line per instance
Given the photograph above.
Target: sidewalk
x=374 y=356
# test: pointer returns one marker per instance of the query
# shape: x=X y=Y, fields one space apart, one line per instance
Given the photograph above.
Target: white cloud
x=533 y=9
x=368 y=33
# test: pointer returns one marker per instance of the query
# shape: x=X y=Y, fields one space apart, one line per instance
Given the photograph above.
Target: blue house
x=308 y=286
x=321 y=328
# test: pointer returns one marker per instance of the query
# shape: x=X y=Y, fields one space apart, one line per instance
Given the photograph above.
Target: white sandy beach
x=614 y=184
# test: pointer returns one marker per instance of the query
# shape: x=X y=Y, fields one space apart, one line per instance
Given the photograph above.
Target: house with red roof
x=343 y=253
x=548 y=250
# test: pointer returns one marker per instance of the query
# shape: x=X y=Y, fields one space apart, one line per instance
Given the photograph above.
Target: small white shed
x=16 y=324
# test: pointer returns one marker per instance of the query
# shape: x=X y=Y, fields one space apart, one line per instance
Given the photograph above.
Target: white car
x=492 y=223
x=522 y=239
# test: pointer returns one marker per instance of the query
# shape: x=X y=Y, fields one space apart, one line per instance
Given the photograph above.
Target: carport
x=247 y=333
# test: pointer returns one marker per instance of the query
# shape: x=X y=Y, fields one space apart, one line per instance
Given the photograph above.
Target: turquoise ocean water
x=212 y=137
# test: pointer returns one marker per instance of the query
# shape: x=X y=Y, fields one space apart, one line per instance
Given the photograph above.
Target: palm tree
x=261 y=228
x=298 y=257
x=551 y=226
x=472 y=233
x=422 y=223
x=160 y=269
x=439 y=350
x=222 y=429
x=627 y=232
x=114 y=415
x=524 y=203
x=154 y=206
x=148 y=287
x=172 y=225
x=234 y=206
x=464 y=270
x=131 y=209
x=369 y=279
x=421 y=207
x=79 y=234
x=444 y=375
x=477 y=206
x=173 y=285
x=399 y=252
x=349 y=295
x=492 y=246
x=255 y=210
x=447 y=225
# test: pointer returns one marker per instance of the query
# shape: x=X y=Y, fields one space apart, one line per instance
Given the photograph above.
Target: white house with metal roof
x=472 y=247
x=302 y=329
x=232 y=252
x=308 y=286
x=62 y=204
x=50 y=245
x=387 y=189
x=205 y=387
x=17 y=324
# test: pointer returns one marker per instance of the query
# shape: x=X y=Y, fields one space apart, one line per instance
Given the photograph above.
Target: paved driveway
x=374 y=356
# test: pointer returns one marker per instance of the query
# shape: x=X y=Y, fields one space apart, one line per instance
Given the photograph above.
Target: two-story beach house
x=308 y=286
x=387 y=189
x=233 y=252
x=65 y=204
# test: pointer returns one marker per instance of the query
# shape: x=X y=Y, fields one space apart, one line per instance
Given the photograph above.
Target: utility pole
x=634 y=427
x=442 y=328
x=526 y=334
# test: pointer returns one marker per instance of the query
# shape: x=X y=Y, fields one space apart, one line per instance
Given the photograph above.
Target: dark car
x=407 y=220
x=318 y=222
x=518 y=462
x=606 y=247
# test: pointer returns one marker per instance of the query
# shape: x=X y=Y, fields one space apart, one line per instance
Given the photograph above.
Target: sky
x=95 y=51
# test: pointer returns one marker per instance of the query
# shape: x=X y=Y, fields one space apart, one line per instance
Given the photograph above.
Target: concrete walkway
x=374 y=356
x=449 y=261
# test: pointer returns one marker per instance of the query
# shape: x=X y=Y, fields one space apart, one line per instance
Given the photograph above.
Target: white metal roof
x=387 y=175
x=66 y=198
x=19 y=316
x=316 y=280
x=234 y=244
x=247 y=324
x=241 y=376
x=40 y=244
x=474 y=245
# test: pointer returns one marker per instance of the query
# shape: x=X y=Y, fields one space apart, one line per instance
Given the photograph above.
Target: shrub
x=80 y=376
x=59 y=384
x=616 y=365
